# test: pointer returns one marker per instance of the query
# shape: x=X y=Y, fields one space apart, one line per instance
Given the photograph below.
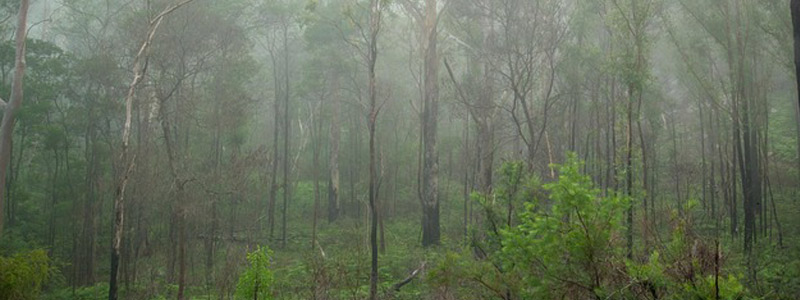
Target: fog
x=399 y=149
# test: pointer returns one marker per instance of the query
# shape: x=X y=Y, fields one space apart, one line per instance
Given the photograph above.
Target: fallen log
x=396 y=287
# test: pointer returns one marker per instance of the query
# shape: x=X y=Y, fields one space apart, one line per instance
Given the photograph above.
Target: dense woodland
x=400 y=149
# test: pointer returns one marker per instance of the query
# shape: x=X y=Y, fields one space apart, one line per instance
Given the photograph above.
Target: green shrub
x=256 y=281
x=94 y=292
x=22 y=275
x=569 y=248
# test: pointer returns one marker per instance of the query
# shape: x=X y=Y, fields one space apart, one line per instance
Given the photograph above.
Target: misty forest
x=399 y=149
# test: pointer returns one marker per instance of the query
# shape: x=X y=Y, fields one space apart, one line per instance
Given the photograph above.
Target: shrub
x=256 y=281
x=568 y=248
x=22 y=275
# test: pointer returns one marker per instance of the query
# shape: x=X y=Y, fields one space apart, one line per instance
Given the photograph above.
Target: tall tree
x=795 y=8
x=635 y=20
x=430 y=112
x=139 y=70
x=14 y=103
x=375 y=16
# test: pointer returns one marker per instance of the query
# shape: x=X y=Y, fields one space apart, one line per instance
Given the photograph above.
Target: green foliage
x=256 y=281
x=455 y=270
x=22 y=275
x=96 y=292
x=730 y=287
x=568 y=247
x=687 y=268
x=780 y=274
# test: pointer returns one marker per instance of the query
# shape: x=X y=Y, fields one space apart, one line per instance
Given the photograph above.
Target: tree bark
x=315 y=129
x=795 y=8
x=430 y=172
x=372 y=57
x=286 y=132
x=273 y=187
x=139 y=70
x=333 y=183
x=629 y=168
x=14 y=103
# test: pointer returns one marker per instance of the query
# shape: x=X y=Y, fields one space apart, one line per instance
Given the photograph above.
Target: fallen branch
x=396 y=287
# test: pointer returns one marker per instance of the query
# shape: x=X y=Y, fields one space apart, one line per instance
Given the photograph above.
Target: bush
x=22 y=275
x=570 y=247
x=256 y=281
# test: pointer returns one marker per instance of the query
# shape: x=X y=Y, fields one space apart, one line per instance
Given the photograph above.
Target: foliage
x=22 y=275
x=568 y=248
x=94 y=292
x=256 y=281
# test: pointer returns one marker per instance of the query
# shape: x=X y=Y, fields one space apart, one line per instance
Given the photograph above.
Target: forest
x=399 y=149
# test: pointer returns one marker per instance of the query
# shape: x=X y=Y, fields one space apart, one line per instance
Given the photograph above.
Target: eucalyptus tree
x=14 y=102
x=375 y=22
x=367 y=22
x=633 y=20
x=795 y=9
x=426 y=18
x=281 y=24
x=139 y=62
x=731 y=27
x=525 y=56
x=477 y=87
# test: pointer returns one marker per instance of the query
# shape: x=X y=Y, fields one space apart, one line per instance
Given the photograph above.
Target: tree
x=139 y=70
x=476 y=89
x=14 y=103
x=636 y=17
x=428 y=24
x=526 y=56
x=375 y=16
x=795 y=8
x=279 y=18
x=256 y=281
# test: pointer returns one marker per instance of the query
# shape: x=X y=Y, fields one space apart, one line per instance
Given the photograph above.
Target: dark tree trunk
x=795 y=7
x=629 y=168
x=374 y=29
x=430 y=172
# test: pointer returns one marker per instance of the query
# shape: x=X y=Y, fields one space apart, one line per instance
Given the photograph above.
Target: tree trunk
x=629 y=168
x=286 y=132
x=315 y=129
x=179 y=206
x=374 y=28
x=273 y=186
x=430 y=171
x=14 y=103
x=795 y=8
x=333 y=183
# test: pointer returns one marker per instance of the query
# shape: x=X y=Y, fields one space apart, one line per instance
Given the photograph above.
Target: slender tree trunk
x=14 y=103
x=86 y=258
x=703 y=164
x=374 y=29
x=333 y=183
x=629 y=168
x=273 y=187
x=287 y=188
x=316 y=127
x=645 y=182
x=467 y=169
x=430 y=173
x=211 y=238
x=795 y=8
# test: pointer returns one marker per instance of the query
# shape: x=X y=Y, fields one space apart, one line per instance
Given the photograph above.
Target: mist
x=399 y=149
